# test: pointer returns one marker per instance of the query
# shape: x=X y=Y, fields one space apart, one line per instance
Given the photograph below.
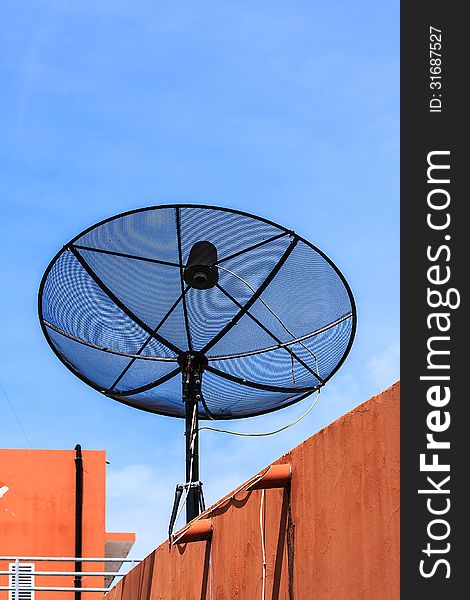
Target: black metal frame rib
x=180 y=255
x=244 y=309
x=254 y=246
x=144 y=388
x=124 y=255
x=261 y=386
x=179 y=265
x=269 y=332
x=100 y=283
x=144 y=345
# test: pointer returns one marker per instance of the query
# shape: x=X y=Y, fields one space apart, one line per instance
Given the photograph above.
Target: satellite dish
x=197 y=312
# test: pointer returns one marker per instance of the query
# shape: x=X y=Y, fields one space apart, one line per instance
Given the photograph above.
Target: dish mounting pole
x=192 y=364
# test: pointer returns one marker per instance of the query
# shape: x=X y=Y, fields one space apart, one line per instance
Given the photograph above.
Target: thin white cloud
x=130 y=481
x=138 y=500
x=384 y=369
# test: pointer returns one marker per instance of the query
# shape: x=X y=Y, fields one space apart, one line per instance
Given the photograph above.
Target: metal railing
x=16 y=586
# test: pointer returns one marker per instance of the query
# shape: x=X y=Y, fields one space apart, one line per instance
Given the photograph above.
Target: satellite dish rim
x=287 y=231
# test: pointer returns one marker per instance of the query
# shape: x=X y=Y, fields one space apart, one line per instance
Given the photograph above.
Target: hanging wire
x=188 y=484
x=262 y=511
x=267 y=433
x=15 y=415
x=276 y=316
x=211 y=574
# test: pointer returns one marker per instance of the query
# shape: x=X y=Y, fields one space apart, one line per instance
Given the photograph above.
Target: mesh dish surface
x=115 y=308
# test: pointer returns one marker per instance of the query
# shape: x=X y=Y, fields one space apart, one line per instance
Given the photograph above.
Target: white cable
x=185 y=497
x=263 y=547
x=272 y=312
x=267 y=432
x=211 y=575
x=188 y=484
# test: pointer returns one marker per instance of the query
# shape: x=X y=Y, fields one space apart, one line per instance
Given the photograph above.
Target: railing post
x=17 y=578
x=78 y=520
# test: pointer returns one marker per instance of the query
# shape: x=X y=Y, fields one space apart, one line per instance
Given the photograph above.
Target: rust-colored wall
x=37 y=514
x=334 y=537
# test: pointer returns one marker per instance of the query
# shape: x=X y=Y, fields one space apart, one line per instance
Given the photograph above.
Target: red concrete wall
x=334 y=536
x=37 y=513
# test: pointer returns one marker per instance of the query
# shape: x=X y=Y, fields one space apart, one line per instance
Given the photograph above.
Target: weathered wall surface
x=333 y=536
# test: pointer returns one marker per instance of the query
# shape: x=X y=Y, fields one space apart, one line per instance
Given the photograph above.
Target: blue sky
x=286 y=110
